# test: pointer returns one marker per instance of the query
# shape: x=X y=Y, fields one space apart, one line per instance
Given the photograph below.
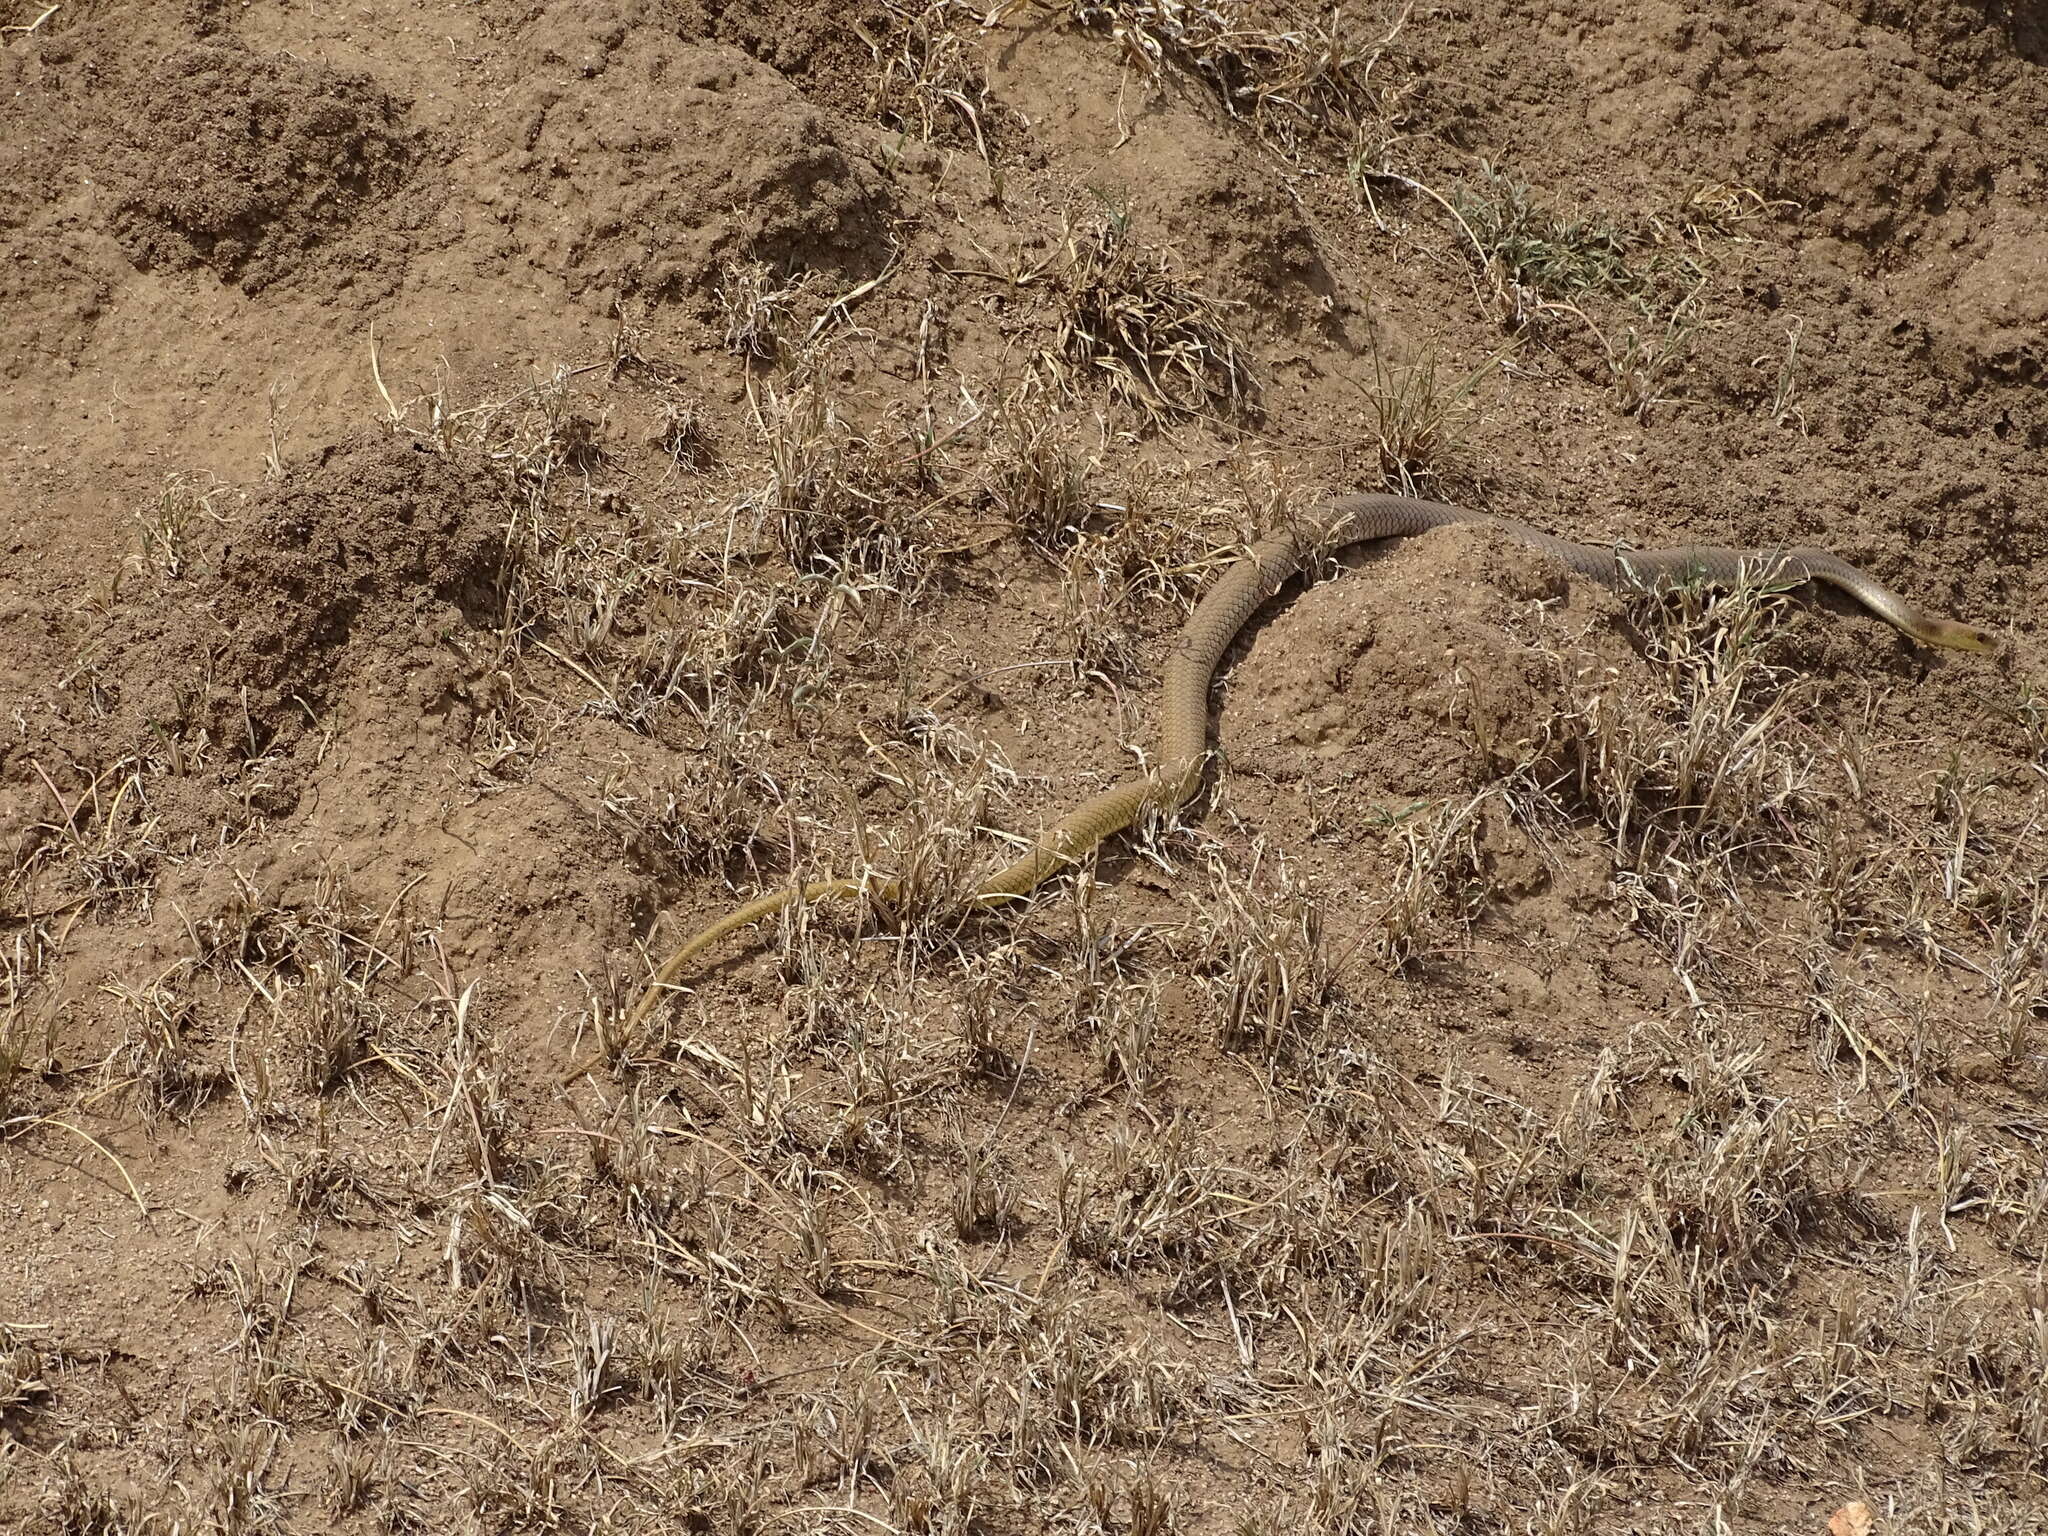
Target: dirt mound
x=1576 y=1064
x=53 y=296
x=1389 y=674
x=351 y=590
x=245 y=163
x=373 y=541
x=369 y=564
x=656 y=158
x=364 y=556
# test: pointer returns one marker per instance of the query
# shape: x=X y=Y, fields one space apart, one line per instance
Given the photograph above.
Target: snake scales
x=1221 y=614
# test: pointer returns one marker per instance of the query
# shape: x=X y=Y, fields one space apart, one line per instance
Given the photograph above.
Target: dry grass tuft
x=834 y=498
x=760 y=310
x=1270 y=971
x=1543 y=265
x=926 y=72
x=318 y=966
x=1310 y=76
x=1095 y=601
x=710 y=817
x=96 y=844
x=1141 y=573
x=167 y=525
x=1703 y=767
x=1163 y=345
x=1416 y=416
x=1038 y=472
x=1440 y=882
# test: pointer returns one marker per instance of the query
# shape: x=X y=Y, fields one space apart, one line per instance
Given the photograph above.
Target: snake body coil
x=1221 y=614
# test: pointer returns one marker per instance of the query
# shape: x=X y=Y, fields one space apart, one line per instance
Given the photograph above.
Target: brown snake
x=1221 y=614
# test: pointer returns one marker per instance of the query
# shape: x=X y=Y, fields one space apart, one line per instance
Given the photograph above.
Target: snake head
x=1955 y=635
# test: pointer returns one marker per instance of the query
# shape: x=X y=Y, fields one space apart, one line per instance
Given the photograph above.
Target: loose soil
x=488 y=487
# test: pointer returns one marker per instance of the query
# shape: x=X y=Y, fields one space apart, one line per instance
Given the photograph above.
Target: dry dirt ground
x=487 y=486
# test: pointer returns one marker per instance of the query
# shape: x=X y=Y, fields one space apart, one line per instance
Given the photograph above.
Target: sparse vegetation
x=1546 y=255
x=1039 y=473
x=1785 y=388
x=167 y=526
x=926 y=75
x=1415 y=419
x=1604 y=1110
x=1162 y=344
x=1545 y=264
x=1310 y=74
x=749 y=1181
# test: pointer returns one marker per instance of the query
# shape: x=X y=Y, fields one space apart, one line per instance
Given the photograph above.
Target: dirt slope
x=488 y=487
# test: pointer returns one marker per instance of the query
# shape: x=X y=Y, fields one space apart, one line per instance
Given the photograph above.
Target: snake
x=1221 y=615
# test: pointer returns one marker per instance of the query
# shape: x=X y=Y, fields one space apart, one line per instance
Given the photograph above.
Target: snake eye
x=1953 y=634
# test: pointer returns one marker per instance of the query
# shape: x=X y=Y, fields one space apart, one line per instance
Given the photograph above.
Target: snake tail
x=732 y=922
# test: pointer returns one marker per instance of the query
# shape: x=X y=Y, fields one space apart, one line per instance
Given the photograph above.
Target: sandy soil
x=488 y=487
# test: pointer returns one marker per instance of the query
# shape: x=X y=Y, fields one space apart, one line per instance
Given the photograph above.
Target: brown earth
x=487 y=487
